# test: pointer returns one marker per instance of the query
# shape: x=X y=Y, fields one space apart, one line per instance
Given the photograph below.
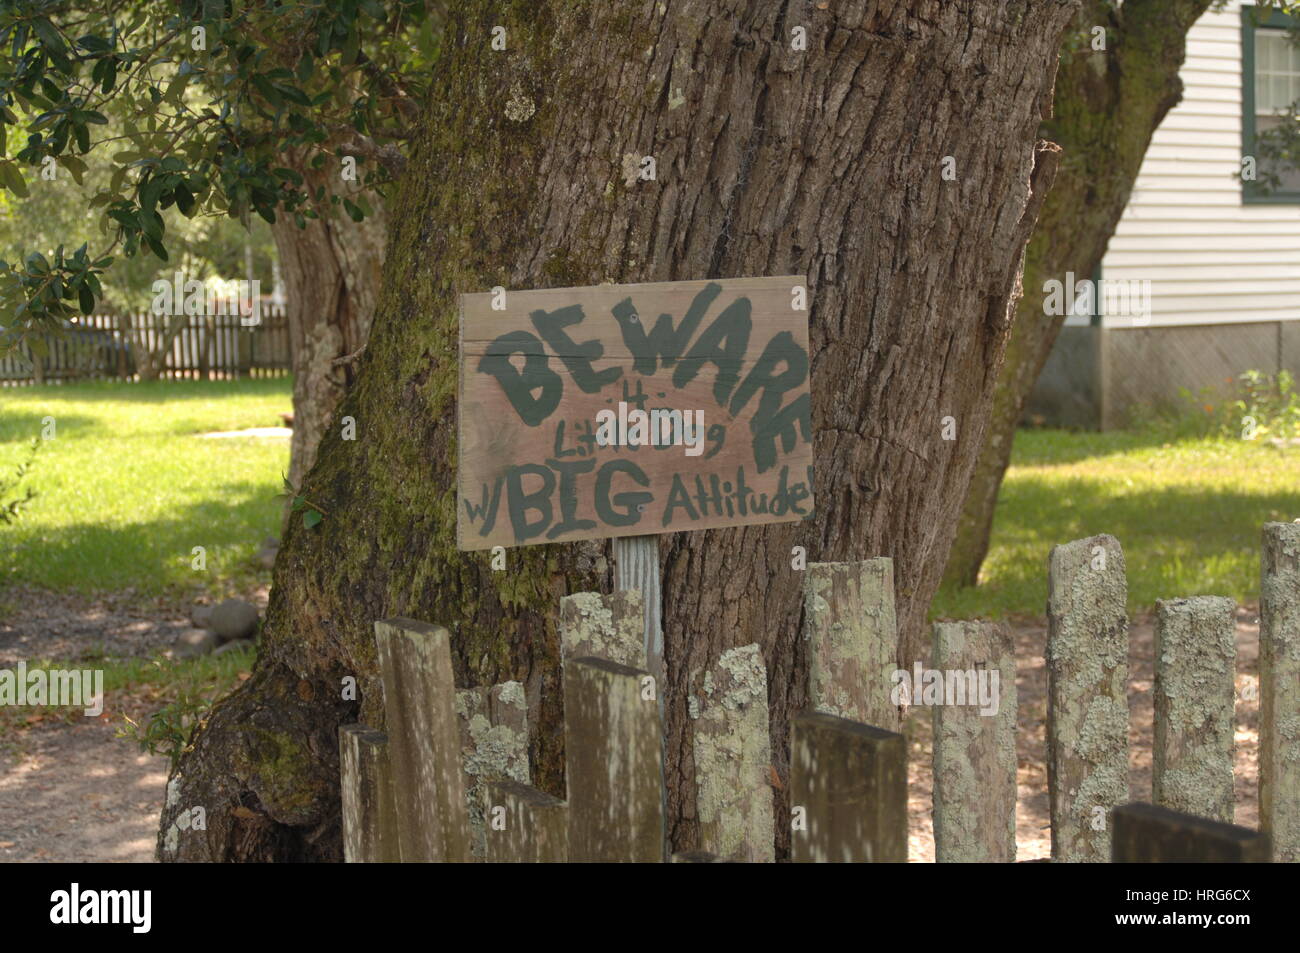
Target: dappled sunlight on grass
x=1188 y=514
x=126 y=489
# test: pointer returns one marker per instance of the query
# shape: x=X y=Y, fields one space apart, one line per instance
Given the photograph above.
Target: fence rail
x=428 y=791
x=132 y=347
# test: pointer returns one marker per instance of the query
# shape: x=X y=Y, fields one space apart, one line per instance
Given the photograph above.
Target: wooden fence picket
x=848 y=778
x=104 y=346
x=525 y=825
x=848 y=792
x=733 y=757
x=424 y=740
x=614 y=763
x=368 y=800
x=852 y=635
x=1147 y=834
x=1279 y=690
x=1087 y=703
x=975 y=751
x=1195 y=706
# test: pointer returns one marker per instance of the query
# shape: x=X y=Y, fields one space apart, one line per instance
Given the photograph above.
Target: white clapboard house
x=1221 y=258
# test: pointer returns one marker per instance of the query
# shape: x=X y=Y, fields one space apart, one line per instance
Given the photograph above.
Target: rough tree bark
x=826 y=162
x=331 y=271
x=1108 y=105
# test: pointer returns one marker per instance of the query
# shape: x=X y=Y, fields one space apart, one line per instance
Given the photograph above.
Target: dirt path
x=77 y=793
x=69 y=789
x=38 y=624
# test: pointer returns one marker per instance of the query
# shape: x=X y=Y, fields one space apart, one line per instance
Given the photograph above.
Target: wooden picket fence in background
x=449 y=780
x=106 y=347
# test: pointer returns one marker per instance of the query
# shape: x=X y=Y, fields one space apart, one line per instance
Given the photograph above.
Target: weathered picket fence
x=449 y=780
x=192 y=347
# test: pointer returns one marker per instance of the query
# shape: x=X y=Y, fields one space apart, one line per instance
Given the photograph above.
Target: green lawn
x=1188 y=515
x=127 y=490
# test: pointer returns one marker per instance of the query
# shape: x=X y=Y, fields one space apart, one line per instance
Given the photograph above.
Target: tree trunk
x=331 y=271
x=827 y=162
x=151 y=362
x=1108 y=105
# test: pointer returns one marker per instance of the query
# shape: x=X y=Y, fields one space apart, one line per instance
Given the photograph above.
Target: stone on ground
x=234 y=619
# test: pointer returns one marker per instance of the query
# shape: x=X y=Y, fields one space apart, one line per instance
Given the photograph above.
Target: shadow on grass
x=1041 y=447
x=22 y=426
x=153 y=555
x=157 y=392
x=1176 y=541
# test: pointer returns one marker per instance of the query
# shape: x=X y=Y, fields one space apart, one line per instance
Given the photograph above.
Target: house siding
x=1211 y=258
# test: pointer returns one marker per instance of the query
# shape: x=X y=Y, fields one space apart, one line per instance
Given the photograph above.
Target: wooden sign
x=625 y=410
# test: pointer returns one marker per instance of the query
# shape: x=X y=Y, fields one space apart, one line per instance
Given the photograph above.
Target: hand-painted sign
x=622 y=410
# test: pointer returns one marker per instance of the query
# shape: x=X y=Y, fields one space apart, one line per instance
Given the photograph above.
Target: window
x=1270 y=97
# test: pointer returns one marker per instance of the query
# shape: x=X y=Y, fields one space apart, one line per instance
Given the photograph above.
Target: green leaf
x=94 y=44
x=49 y=36
x=12 y=179
x=74 y=165
x=185 y=201
x=311 y=518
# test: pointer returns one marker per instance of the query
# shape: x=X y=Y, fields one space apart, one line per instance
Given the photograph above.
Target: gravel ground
x=36 y=623
x=71 y=790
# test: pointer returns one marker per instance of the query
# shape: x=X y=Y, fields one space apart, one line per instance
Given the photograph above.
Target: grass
x=1187 y=513
x=127 y=490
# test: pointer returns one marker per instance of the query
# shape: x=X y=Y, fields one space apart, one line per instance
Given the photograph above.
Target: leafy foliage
x=1258 y=406
x=188 y=689
x=213 y=96
x=312 y=514
x=11 y=500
